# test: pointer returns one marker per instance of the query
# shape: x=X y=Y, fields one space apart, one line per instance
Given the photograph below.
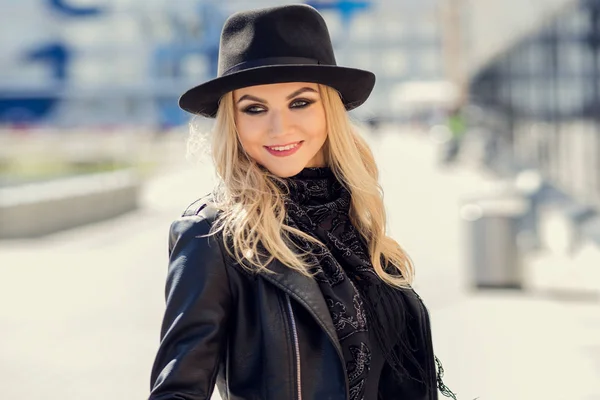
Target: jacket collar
x=305 y=291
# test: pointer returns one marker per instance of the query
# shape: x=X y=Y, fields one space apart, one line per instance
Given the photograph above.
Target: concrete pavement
x=81 y=309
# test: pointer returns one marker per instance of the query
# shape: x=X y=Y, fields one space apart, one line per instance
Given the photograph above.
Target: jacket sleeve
x=198 y=306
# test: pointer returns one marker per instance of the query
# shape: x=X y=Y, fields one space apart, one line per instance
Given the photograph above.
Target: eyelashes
x=253 y=110
x=258 y=109
x=303 y=103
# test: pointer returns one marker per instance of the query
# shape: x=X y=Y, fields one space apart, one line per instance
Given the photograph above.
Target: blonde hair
x=251 y=205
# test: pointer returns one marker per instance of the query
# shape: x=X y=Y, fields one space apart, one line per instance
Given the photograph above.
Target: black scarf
x=359 y=301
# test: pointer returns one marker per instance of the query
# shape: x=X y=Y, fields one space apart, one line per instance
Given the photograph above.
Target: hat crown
x=293 y=31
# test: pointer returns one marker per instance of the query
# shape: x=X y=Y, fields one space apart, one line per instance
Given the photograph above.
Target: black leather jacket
x=257 y=337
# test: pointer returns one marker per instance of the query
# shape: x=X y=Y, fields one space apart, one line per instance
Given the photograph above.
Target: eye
x=253 y=109
x=301 y=103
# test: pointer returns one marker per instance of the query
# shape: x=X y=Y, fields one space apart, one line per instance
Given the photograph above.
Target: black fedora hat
x=274 y=45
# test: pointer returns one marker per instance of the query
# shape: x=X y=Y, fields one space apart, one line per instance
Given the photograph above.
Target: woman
x=282 y=283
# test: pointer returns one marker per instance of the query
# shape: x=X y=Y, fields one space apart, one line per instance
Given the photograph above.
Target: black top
x=319 y=205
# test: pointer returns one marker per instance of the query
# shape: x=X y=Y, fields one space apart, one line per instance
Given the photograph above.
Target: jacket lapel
x=305 y=291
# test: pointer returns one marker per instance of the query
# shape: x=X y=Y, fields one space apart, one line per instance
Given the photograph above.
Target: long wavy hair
x=252 y=210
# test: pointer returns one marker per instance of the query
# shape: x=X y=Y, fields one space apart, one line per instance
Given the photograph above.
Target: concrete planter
x=42 y=208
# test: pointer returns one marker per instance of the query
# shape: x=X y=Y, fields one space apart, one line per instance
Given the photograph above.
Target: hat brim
x=354 y=85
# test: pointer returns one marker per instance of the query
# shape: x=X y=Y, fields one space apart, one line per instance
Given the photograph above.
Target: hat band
x=271 y=61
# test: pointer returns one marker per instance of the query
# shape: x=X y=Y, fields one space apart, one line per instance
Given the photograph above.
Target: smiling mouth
x=284 y=150
x=285 y=147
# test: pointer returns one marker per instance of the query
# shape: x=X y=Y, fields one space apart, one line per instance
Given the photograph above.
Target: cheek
x=251 y=131
x=315 y=125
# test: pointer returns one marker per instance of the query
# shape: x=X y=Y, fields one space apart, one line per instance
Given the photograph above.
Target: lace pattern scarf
x=358 y=300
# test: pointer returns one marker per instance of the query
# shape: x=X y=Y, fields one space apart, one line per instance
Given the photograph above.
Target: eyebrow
x=291 y=96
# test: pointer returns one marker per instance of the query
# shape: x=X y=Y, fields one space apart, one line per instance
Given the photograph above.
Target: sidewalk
x=498 y=344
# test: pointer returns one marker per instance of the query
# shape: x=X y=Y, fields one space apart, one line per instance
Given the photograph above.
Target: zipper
x=296 y=346
x=333 y=340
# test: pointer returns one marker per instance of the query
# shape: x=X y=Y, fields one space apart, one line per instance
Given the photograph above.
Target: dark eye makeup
x=255 y=109
x=301 y=103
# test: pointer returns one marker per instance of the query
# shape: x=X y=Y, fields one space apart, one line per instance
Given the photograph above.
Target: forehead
x=274 y=89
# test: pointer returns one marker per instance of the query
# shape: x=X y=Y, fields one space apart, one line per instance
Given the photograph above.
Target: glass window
x=363 y=59
x=575 y=22
x=570 y=96
x=394 y=28
x=430 y=61
x=540 y=95
x=87 y=70
x=574 y=59
x=520 y=95
x=362 y=27
x=538 y=58
x=519 y=62
x=194 y=65
x=597 y=55
x=394 y=63
x=504 y=94
x=426 y=25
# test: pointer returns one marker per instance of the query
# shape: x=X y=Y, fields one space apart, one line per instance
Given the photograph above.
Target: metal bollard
x=493 y=251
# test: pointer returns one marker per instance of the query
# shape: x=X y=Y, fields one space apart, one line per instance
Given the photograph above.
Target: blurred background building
x=127 y=61
x=543 y=86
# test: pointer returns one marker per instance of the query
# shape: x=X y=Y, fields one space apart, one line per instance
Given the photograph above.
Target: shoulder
x=193 y=229
x=195 y=221
x=203 y=207
x=192 y=241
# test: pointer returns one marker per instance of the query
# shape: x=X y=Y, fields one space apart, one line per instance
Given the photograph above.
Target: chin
x=286 y=171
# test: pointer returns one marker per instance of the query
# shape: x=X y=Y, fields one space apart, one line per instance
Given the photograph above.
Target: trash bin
x=493 y=253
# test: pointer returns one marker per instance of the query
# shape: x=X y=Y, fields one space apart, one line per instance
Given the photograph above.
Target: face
x=282 y=126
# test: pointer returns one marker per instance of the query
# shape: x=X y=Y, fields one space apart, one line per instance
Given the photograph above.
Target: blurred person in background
x=458 y=128
x=282 y=283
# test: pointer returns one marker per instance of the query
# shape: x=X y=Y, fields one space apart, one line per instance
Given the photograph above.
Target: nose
x=280 y=123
